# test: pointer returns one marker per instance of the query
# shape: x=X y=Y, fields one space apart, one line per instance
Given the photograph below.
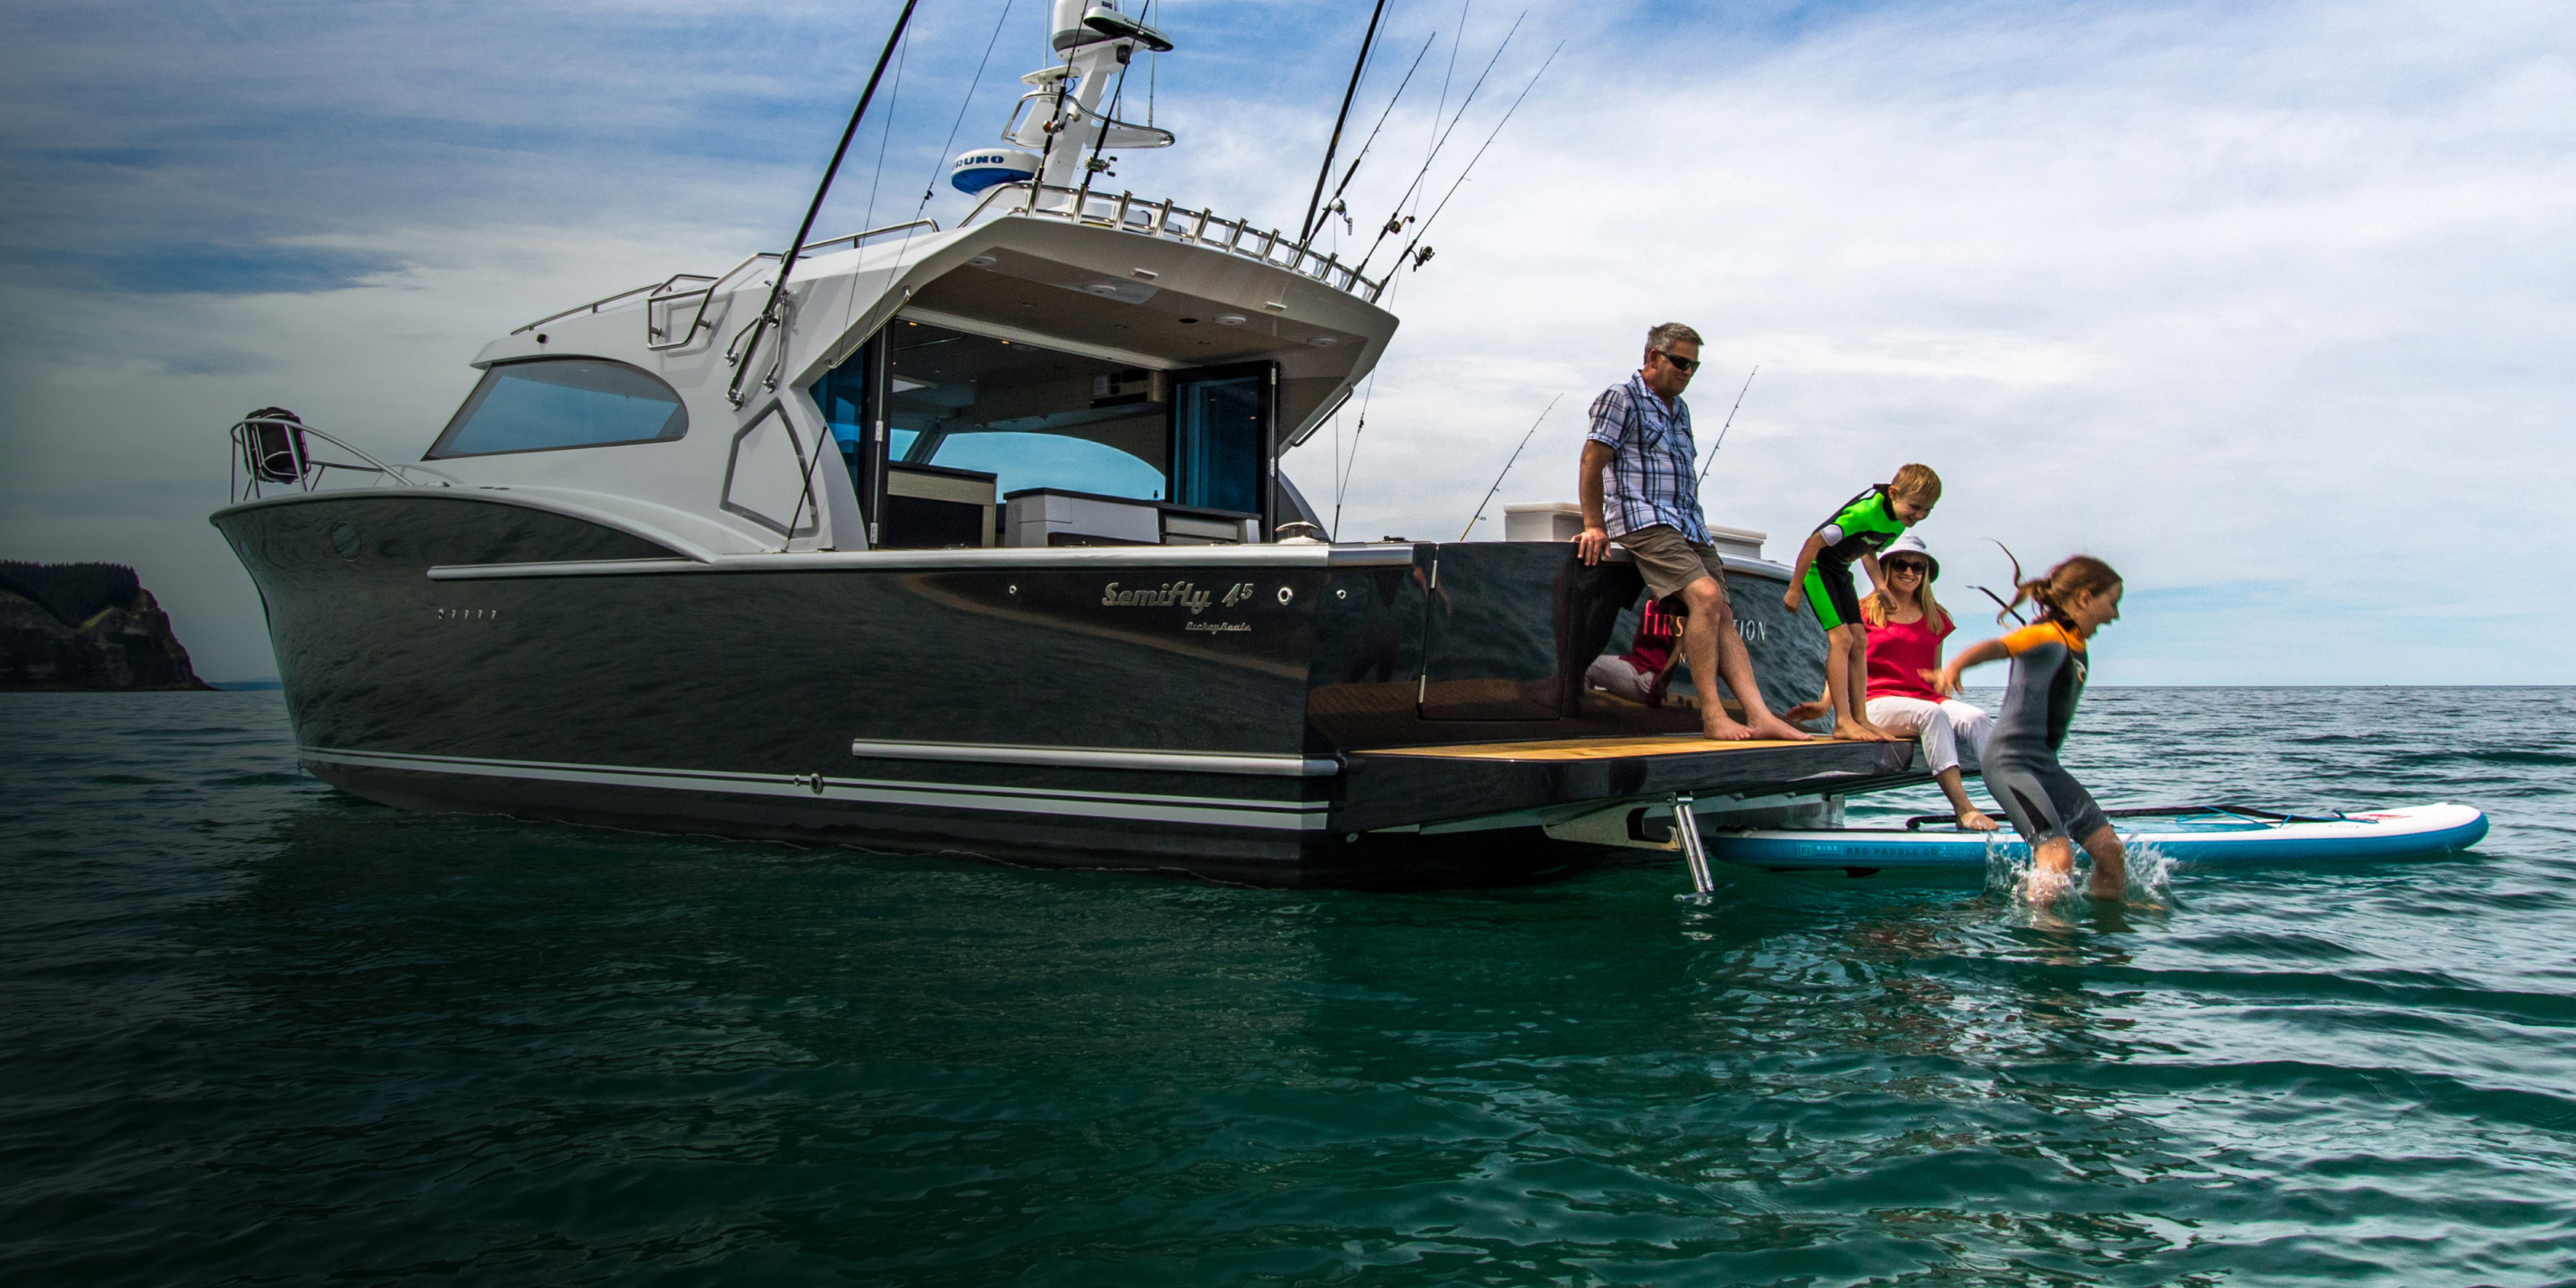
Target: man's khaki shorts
x=1671 y=561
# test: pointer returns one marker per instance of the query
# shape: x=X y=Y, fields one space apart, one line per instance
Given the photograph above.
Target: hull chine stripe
x=1186 y=762
x=1303 y=816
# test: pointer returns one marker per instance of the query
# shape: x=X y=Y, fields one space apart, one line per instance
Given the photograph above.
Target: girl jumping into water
x=2047 y=806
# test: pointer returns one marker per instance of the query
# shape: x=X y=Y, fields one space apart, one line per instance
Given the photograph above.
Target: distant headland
x=85 y=626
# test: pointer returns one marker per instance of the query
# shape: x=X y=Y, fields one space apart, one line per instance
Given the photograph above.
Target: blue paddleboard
x=2193 y=835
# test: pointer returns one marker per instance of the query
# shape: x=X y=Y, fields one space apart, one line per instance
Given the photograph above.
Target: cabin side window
x=548 y=404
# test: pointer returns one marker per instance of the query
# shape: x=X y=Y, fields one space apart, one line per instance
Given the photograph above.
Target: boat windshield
x=553 y=403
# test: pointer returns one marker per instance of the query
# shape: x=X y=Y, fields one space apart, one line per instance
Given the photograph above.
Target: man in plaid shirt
x=1640 y=447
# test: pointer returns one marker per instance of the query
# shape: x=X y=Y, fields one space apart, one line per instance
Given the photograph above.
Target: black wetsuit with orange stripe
x=2049 y=666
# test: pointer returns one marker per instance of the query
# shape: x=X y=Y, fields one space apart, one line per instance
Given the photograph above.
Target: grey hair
x=1664 y=337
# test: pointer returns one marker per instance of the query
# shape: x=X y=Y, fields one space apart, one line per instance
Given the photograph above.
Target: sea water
x=261 y=1032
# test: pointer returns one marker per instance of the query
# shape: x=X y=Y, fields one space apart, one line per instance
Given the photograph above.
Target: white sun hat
x=1910 y=544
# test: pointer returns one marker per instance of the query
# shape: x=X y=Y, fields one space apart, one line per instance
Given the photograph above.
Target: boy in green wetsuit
x=1859 y=530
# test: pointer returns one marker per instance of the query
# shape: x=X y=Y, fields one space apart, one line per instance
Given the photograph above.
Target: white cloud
x=2270 y=297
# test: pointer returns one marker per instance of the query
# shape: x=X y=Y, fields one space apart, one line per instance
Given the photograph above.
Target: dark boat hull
x=1207 y=709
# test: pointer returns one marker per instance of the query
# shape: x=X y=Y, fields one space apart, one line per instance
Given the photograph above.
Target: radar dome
x=985 y=167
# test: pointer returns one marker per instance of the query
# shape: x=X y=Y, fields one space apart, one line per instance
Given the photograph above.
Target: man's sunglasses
x=1680 y=364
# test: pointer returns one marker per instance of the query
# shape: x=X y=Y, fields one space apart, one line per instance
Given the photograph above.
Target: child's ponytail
x=2072 y=579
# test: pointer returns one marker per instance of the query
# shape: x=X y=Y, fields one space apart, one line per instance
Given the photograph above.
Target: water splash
x=2013 y=874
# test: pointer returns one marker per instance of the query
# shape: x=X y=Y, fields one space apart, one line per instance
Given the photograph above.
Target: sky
x=2269 y=304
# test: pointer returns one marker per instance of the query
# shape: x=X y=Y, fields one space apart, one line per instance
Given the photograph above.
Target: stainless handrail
x=1124 y=212
x=309 y=470
x=661 y=291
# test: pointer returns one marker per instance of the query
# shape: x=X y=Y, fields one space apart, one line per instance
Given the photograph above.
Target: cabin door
x=1225 y=439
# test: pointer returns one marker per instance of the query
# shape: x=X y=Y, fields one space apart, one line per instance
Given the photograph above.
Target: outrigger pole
x=1306 y=230
x=769 y=311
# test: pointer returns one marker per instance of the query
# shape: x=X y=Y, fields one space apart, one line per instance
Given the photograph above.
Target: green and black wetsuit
x=1864 y=525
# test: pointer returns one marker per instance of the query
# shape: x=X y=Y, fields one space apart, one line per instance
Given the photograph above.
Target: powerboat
x=975 y=539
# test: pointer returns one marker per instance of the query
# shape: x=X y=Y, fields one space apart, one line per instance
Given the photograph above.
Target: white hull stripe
x=1304 y=816
x=1185 y=762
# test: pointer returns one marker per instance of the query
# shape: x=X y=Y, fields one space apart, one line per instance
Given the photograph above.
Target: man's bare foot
x=1975 y=820
x=1718 y=727
x=1770 y=726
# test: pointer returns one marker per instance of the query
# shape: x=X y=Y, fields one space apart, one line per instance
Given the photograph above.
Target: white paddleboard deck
x=2213 y=835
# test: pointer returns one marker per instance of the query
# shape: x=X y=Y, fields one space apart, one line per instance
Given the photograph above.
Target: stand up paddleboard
x=2188 y=834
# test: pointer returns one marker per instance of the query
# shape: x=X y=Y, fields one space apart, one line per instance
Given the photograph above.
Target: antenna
x=1306 y=230
x=1507 y=467
x=769 y=311
x=1721 y=430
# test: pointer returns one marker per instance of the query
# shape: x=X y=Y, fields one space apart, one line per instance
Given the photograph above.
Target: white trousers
x=1940 y=728
x=1613 y=673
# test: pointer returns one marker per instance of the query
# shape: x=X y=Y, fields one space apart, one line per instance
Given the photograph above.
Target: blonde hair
x=2072 y=579
x=1877 y=606
x=1916 y=483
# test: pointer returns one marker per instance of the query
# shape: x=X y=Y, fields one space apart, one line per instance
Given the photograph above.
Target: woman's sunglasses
x=1908 y=565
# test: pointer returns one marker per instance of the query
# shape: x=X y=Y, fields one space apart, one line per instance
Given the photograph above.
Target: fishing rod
x=769 y=311
x=1306 y=230
x=1507 y=467
x=1344 y=185
x=1425 y=229
x=1730 y=423
x=1394 y=224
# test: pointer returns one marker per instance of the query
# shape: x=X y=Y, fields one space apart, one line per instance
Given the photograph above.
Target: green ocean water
x=258 y=1032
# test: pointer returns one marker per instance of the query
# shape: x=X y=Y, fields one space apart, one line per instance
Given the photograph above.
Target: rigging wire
x=1306 y=230
x=1445 y=78
x=1342 y=485
x=1394 y=225
x=894 y=97
x=940 y=161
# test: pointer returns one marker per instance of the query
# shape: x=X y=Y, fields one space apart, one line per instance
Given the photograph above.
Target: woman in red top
x=1906 y=627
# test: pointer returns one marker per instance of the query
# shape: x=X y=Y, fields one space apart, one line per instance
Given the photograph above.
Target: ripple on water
x=261 y=1031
